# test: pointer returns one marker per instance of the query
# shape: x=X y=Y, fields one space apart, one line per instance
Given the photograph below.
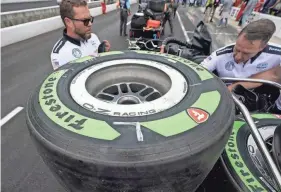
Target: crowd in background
x=247 y=7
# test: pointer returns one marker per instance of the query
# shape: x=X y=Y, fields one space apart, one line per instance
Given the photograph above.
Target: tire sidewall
x=218 y=134
x=243 y=161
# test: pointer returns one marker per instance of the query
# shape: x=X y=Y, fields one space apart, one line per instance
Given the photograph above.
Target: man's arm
x=57 y=61
x=128 y=5
x=165 y=8
x=273 y=74
x=210 y=63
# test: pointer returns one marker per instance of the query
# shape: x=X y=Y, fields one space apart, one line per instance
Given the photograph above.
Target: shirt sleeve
x=96 y=39
x=128 y=4
x=210 y=63
x=57 y=60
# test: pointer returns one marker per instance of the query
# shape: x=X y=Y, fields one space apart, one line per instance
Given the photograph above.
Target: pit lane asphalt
x=24 y=66
x=27 y=5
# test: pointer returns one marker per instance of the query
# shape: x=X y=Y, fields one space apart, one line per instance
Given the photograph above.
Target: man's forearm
x=273 y=74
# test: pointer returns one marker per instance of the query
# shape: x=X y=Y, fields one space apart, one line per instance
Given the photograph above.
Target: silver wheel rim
x=256 y=156
x=150 y=87
x=129 y=93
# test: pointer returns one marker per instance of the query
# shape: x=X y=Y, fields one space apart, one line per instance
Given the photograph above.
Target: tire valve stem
x=138 y=128
x=139 y=133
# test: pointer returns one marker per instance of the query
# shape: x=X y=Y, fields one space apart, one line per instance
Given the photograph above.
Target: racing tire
x=242 y=159
x=168 y=143
x=199 y=59
x=276 y=146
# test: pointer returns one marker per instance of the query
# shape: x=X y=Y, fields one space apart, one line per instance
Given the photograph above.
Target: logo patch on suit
x=262 y=66
x=229 y=66
x=76 y=53
x=56 y=62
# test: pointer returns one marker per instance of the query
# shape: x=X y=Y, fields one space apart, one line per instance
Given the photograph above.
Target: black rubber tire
x=276 y=146
x=199 y=58
x=172 y=163
x=156 y=5
x=237 y=161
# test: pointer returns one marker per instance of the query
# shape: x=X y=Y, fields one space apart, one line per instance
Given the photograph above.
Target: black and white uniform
x=69 y=49
x=278 y=101
x=223 y=62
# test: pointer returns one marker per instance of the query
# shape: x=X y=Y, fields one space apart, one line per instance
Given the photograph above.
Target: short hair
x=66 y=7
x=261 y=29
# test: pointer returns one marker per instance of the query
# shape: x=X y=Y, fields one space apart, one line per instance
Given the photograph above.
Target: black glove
x=102 y=48
x=247 y=97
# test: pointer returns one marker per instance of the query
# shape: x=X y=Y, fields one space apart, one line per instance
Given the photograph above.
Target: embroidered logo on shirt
x=262 y=66
x=76 y=53
x=56 y=63
x=229 y=66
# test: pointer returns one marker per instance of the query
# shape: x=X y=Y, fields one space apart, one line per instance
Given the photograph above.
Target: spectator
x=259 y=5
x=214 y=7
x=248 y=11
x=268 y=5
x=227 y=5
x=103 y=6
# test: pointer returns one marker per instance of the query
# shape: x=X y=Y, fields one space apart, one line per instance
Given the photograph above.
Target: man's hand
x=230 y=87
x=107 y=45
x=162 y=49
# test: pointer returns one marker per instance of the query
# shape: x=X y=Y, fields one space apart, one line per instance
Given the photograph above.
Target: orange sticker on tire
x=198 y=115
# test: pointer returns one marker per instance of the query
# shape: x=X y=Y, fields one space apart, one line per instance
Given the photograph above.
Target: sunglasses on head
x=85 y=21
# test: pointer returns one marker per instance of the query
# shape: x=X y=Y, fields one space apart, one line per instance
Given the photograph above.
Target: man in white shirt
x=251 y=54
x=78 y=40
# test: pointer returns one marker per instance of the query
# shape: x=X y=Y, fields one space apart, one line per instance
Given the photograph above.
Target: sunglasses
x=85 y=21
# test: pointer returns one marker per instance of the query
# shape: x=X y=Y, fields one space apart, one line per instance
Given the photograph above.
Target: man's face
x=245 y=49
x=81 y=13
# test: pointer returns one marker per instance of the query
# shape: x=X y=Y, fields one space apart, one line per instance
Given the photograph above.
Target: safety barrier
x=28 y=30
x=12 y=18
x=256 y=15
x=21 y=1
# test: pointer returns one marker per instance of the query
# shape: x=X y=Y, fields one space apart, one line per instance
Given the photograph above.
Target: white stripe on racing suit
x=278 y=101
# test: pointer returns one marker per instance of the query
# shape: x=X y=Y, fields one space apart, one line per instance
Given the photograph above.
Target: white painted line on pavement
x=182 y=27
x=10 y=115
x=129 y=23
